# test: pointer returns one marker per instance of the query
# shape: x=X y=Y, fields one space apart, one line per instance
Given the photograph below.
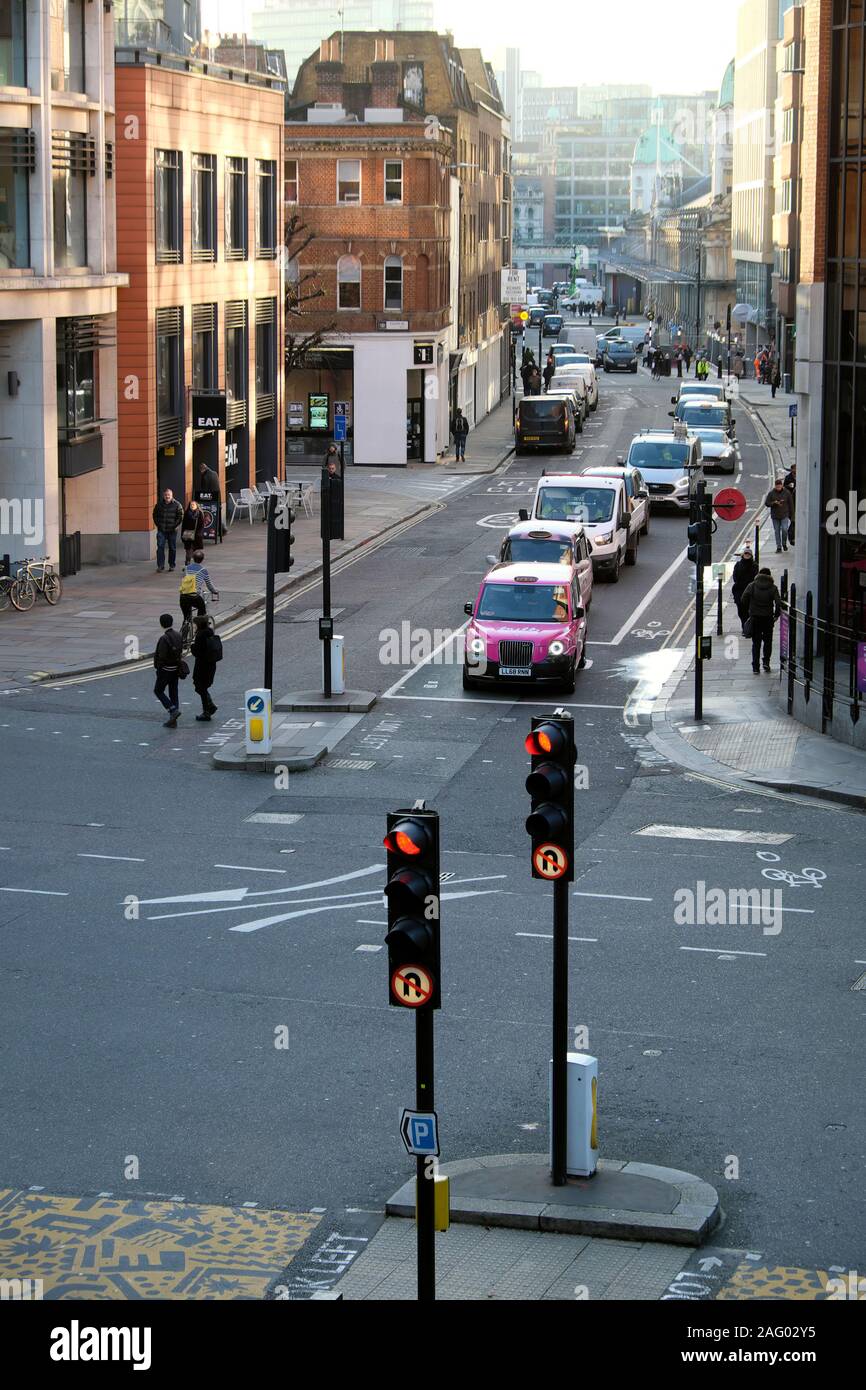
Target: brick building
x=453 y=94
x=373 y=190
x=199 y=164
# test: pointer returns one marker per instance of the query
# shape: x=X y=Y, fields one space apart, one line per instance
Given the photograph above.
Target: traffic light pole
x=269 y=593
x=700 y=511
x=326 y=574
x=425 y=1169
x=559 y=1087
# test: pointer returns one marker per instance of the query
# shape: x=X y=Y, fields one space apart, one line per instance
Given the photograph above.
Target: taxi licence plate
x=524 y=671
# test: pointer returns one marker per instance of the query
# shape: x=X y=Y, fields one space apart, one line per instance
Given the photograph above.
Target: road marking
x=548 y=936
x=125 y=858
x=370 y=922
x=722 y=951
x=706 y=832
x=250 y=869
x=644 y=604
x=398 y=684
x=43 y=892
x=486 y=700
x=620 y=897
x=271 y=817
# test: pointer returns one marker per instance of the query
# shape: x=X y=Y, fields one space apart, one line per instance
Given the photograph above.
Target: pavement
x=745 y=733
x=107 y=616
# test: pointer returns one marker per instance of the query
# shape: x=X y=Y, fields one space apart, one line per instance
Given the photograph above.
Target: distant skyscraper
x=298 y=26
x=511 y=90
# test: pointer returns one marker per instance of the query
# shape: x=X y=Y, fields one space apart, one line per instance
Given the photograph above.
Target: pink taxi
x=527 y=624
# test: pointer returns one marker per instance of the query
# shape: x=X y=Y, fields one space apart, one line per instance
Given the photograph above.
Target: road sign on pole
x=419 y=1130
x=729 y=503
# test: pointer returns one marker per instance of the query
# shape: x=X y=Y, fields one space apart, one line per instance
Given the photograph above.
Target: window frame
x=16 y=72
x=386 y=180
x=234 y=178
x=208 y=379
x=71 y=181
x=168 y=207
x=17 y=179
x=203 y=210
x=174 y=345
x=350 y=308
x=289 y=180
x=349 y=201
x=266 y=184
x=392 y=263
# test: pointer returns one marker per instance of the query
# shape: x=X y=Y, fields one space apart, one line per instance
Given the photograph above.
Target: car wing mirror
x=580 y=612
x=491 y=559
x=523 y=514
x=467 y=608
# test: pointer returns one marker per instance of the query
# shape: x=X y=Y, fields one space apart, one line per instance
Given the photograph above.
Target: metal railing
x=821 y=656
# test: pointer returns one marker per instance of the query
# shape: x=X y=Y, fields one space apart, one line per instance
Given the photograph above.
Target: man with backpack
x=168 y=663
x=207 y=650
x=194 y=581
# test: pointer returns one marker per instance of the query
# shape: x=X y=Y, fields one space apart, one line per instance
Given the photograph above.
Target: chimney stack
x=329 y=73
x=385 y=76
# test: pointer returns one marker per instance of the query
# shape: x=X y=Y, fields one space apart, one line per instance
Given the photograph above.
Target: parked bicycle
x=34 y=576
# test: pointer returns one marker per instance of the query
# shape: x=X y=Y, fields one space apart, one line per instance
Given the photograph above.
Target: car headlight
x=603 y=540
x=556 y=648
x=477 y=646
x=681 y=484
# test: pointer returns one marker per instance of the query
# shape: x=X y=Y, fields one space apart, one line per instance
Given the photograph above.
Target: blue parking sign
x=419 y=1131
x=339 y=428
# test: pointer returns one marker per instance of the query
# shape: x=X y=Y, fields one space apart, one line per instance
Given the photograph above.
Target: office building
x=298 y=26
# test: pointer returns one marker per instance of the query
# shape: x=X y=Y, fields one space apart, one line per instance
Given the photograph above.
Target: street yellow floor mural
x=105 y=1248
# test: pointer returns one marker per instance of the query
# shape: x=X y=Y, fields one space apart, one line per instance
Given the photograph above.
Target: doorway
x=415 y=429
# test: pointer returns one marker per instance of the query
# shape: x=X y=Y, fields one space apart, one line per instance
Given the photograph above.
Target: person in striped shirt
x=194 y=581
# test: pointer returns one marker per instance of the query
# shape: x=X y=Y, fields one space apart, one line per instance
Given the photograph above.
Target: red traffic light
x=547 y=738
x=409 y=837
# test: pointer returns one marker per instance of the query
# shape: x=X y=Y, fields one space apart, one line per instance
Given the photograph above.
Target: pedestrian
x=207 y=650
x=651 y=360
x=603 y=307
x=209 y=482
x=791 y=485
x=549 y=369
x=739 y=364
x=679 y=362
x=170 y=667
x=775 y=379
x=763 y=605
x=460 y=429
x=525 y=372
x=167 y=518
x=687 y=355
x=780 y=502
x=192 y=528
x=534 y=381
x=332 y=456
x=194 y=580
x=744 y=572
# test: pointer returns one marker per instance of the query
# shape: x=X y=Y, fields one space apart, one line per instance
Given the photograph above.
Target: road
x=193 y=971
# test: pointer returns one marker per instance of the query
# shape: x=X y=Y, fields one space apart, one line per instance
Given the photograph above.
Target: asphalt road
x=140 y=1016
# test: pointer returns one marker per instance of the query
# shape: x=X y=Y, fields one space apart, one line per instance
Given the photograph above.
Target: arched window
x=348 y=283
x=422 y=283
x=393 y=282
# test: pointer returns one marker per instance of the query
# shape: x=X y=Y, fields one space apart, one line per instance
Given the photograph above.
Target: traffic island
x=297 y=744
x=350 y=702
x=622 y=1201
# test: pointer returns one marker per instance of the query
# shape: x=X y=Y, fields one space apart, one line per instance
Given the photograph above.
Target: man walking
x=167 y=518
x=775 y=379
x=745 y=570
x=209 y=481
x=791 y=485
x=763 y=604
x=460 y=429
x=780 y=504
x=166 y=662
x=549 y=369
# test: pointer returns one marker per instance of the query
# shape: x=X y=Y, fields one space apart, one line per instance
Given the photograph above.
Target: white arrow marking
x=220 y=895
x=708 y=1263
x=234 y=895
x=367 y=895
x=335 y=907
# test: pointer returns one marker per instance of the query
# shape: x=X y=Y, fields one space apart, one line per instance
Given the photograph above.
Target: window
x=266 y=209
x=66 y=38
x=787 y=194
x=348 y=180
x=13 y=54
x=291 y=181
x=73 y=159
x=348 y=283
x=393 y=180
x=204 y=207
x=76 y=376
x=168 y=206
x=413 y=84
x=266 y=358
x=17 y=162
x=169 y=375
x=236 y=209
x=393 y=282
x=204 y=347
x=236 y=353
x=789 y=126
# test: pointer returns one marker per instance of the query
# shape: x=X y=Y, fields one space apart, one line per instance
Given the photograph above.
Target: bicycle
x=6 y=582
x=187 y=626
x=35 y=576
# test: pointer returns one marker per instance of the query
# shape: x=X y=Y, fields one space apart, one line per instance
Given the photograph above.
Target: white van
x=584 y=339
x=571 y=371
x=601 y=507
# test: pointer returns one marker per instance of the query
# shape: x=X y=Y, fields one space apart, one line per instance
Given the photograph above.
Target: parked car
x=551 y=325
x=556 y=542
x=544 y=422
x=636 y=492
x=701 y=414
x=718 y=451
x=669 y=461
x=601 y=507
x=619 y=356
x=527 y=624
x=571 y=371
x=703 y=390
x=575 y=392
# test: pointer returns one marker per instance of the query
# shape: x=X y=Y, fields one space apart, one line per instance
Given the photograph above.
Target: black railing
x=839 y=648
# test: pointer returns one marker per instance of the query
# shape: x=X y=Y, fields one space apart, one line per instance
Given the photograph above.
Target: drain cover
x=860 y=983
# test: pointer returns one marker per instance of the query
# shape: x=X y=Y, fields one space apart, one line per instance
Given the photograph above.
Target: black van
x=546 y=423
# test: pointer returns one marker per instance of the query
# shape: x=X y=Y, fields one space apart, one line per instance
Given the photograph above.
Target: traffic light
x=700 y=541
x=551 y=785
x=283 y=538
x=333 y=490
x=412 y=891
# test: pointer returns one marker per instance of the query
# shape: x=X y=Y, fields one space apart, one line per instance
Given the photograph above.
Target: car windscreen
x=694 y=414
x=711 y=436
x=586 y=504
x=645 y=453
x=555 y=551
x=524 y=603
x=616 y=347
x=541 y=410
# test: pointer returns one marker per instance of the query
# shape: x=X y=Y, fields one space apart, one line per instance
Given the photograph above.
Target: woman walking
x=207 y=650
x=192 y=528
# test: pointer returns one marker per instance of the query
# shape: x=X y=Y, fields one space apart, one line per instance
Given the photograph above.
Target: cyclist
x=194 y=581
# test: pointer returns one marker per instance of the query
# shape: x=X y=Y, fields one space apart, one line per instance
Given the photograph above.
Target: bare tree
x=303 y=288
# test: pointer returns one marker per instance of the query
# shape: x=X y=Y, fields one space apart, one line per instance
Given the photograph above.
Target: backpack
x=214 y=647
x=188 y=585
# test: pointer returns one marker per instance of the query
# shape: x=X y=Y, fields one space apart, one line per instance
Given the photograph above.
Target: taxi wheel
x=468 y=682
x=568 y=682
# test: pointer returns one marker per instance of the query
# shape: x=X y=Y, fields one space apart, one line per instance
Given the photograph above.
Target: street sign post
x=729 y=503
x=700 y=550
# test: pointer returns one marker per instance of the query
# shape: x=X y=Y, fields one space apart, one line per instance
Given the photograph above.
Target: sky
x=674 y=45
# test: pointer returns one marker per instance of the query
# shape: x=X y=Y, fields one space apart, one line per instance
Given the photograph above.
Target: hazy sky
x=675 y=45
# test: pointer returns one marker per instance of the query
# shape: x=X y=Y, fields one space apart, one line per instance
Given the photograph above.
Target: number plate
x=524 y=671
x=531 y=438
